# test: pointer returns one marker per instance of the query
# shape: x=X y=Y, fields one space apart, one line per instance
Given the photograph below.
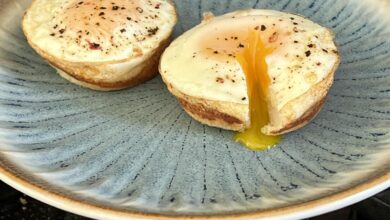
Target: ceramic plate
x=135 y=153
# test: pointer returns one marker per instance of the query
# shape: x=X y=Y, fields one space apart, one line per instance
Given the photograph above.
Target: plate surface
x=136 y=153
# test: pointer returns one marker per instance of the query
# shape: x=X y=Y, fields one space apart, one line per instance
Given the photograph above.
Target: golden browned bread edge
x=73 y=71
x=226 y=115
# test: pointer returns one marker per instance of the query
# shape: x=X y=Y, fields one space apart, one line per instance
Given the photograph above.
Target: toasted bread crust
x=303 y=120
x=145 y=71
x=210 y=116
x=226 y=115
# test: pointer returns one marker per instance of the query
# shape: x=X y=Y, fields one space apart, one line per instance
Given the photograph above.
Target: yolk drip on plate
x=252 y=61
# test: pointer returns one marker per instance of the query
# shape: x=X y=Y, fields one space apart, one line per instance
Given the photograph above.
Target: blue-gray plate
x=135 y=153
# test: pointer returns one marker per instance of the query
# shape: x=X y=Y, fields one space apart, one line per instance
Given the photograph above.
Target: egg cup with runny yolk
x=102 y=45
x=263 y=72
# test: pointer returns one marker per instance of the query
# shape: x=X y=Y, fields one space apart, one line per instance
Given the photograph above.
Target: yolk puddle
x=252 y=61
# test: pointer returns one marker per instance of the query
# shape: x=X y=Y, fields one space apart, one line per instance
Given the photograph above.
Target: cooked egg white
x=111 y=39
x=213 y=62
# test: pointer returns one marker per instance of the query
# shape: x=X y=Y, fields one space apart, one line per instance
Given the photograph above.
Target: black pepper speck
x=140 y=10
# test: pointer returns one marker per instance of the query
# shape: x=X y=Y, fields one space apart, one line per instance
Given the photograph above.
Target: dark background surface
x=16 y=205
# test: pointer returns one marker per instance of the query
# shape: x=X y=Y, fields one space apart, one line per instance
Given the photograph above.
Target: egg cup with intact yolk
x=103 y=45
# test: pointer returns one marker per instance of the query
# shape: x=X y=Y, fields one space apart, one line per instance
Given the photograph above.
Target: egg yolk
x=252 y=61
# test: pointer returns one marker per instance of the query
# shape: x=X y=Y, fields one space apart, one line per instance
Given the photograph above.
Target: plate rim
x=307 y=209
x=343 y=198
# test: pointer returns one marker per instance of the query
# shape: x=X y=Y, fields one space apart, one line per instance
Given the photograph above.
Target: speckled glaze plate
x=135 y=153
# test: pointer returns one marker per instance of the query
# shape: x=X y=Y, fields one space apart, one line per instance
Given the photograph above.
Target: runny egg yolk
x=252 y=61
